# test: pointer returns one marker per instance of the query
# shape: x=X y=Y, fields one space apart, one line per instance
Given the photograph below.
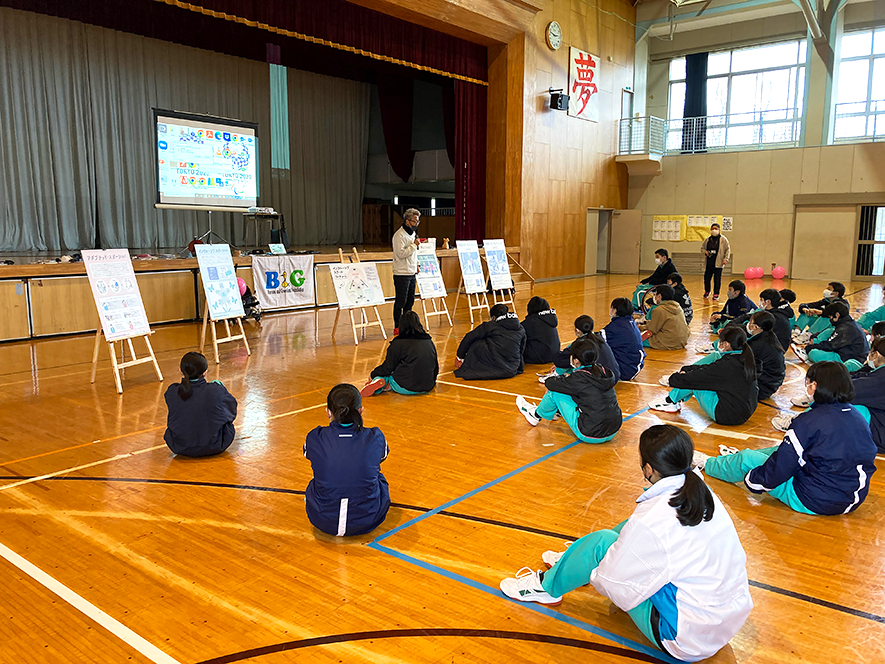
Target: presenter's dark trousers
x=405 y=295
x=716 y=274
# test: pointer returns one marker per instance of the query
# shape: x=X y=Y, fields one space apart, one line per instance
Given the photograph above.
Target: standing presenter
x=717 y=252
x=405 y=264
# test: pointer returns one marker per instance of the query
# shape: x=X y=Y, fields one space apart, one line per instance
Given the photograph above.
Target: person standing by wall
x=405 y=264
x=718 y=253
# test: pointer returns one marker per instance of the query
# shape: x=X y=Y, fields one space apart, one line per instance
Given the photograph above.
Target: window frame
x=877 y=114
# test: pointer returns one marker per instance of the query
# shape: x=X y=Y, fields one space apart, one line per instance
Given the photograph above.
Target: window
x=754 y=97
x=871 y=242
x=860 y=96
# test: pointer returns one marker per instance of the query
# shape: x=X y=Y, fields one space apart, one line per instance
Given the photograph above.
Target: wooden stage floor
x=152 y=558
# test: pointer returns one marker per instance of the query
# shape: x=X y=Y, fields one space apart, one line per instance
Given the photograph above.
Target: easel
x=364 y=319
x=116 y=366
x=229 y=337
x=482 y=303
x=505 y=295
x=435 y=309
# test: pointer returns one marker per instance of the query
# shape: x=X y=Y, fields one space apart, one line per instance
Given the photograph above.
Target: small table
x=255 y=217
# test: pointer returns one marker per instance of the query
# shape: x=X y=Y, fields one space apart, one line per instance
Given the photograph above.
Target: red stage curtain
x=470 y=160
x=449 y=118
x=395 y=96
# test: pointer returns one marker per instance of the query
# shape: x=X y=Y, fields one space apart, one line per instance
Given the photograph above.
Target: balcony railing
x=859 y=121
x=642 y=135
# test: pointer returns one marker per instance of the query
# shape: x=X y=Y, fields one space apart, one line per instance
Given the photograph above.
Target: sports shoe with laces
x=665 y=406
x=801 y=353
x=802 y=402
x=550 y=558
x=526 y=587
x=528 y=411
x=783 y=422
x=716 y=297
x=665 y=381
x=699 y=459
x=372 y=386
x=727 y=450
x=706 y=349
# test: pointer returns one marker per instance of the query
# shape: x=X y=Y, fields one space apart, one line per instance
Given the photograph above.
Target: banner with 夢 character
x=583 y=85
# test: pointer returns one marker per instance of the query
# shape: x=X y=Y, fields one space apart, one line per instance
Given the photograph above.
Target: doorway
x=603 y=241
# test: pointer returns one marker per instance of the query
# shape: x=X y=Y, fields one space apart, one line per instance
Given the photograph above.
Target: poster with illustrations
x=357 y=285
x=471 y=267
x=669 y=228
x=430 y=281
x=698 y=227
x=219 y=281
x=499 y=266
x=116 y=293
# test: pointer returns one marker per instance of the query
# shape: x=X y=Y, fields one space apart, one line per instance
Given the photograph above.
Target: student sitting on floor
x=562 y=364
x=770 y=365
x=824 y=464
x=541 y=335
x=201 y=415
x=877 y=331
x=787 y=299
x=585 y=397
x=737 y=305
x=410 y=366
x=664 y=269
x=724 y=382
x=871 y=318
x=682 y=297
x=869 y=392
x=676 y=566
x=624 y=338
x=666 y=328
x=810 y=321
x=494 y=349
x=847 y=343
x=770 y=300
x=348 y=494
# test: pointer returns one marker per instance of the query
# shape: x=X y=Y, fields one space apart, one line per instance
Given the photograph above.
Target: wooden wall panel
x=62 y=305
x=168 y=296
x=14 y=305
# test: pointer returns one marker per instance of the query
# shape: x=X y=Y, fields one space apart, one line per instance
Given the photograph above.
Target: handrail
x=524 y=271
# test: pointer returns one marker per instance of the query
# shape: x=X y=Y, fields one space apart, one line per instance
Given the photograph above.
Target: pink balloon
x=242 y=285
x=760 y=272
x=778 y=272
x=749 y=272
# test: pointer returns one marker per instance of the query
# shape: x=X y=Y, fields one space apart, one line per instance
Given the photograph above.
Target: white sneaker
x=542 y=377
x=526 y=587
x=665 y=381
x=726 y=450
x=802 y=338
x=783 y=422
x=705 y=350
x=800 y=352
x=550 y=558
x=665 y=406
x=528 y=411
x=802 y=402
x=699 y=459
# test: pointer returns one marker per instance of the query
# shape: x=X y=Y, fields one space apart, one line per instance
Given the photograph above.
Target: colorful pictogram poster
x=499 y=265
x=116 y=293
x=430 y=280
x=219 y=281
x=471 y=266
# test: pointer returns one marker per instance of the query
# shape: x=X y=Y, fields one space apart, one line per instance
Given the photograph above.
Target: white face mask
x=659 y=261
x=809 y=394
x=732 y=295
x=714 y=232
x=761 y=304
x=828 y=293
x=871 y=364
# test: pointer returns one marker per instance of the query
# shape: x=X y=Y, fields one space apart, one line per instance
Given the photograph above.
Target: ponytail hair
x=736 y=337
x=764 y=320
x=586 y=351
x=193 y=365
x=584 y=324
x=344 y=402
x=669 y=450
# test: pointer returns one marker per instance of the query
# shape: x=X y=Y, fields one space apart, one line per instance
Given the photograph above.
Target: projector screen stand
x=210 y=235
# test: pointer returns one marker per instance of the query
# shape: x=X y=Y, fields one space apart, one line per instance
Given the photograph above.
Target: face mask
x=761 y=304
x=871 y=364
x=810 y=395
x=752 y=331
x=409 y=229
x=828 y=293
x=659 y=261
x=732 y=295
x=714 y=233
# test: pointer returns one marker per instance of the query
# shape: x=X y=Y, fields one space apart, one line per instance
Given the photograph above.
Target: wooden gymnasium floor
x=214 y=560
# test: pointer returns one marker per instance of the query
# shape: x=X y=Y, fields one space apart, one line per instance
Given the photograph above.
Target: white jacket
x=703 y=568
x=405 y=253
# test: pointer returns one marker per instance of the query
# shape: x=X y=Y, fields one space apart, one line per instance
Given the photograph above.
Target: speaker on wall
x=558 y=101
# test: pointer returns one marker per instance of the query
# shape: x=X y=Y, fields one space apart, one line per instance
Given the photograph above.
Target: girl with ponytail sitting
x=723 y=382
x=201 y=414
x=771 y=367
x=348 y=495
x=823 y=465
x=676 y=566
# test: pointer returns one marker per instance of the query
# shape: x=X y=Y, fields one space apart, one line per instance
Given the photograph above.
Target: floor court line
x=532 y=606
x=47 y=476
x=88 y=609
x=295 y=412
x=475 y=387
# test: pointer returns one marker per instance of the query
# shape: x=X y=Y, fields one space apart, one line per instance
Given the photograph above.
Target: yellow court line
x=30 y=480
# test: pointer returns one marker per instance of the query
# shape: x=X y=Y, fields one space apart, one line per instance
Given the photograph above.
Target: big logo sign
x=283 y=281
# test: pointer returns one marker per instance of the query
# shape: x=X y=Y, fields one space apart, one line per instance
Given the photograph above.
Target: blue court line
x=538 y=608
x=532 y=606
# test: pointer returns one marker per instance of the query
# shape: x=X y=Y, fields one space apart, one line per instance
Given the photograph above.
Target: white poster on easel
x=430 y=281
x=116 y=293
x=471 y=266
x=357 y=285
x=499 y=266
x=219 y=281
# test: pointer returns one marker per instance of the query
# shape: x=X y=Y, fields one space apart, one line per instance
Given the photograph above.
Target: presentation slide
x=205 y=161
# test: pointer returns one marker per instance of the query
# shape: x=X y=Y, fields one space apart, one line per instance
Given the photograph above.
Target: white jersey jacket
x=405 y=253
x=696 y=576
